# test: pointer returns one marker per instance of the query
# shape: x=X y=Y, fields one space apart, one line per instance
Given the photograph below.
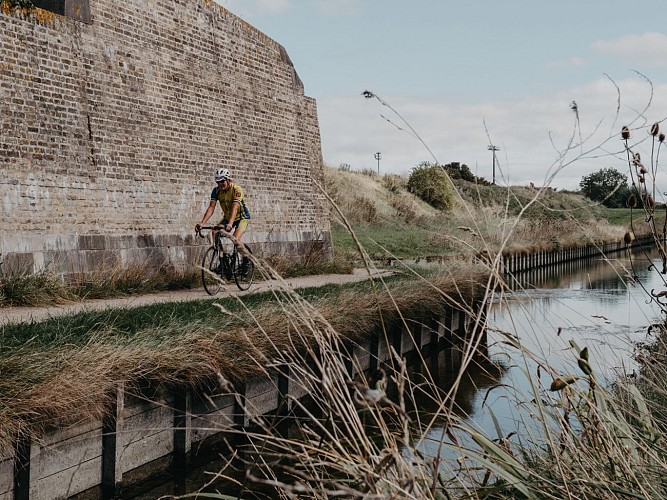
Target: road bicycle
x=223 y=262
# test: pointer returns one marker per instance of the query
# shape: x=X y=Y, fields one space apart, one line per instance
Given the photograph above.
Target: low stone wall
x=70 y=256
x=148 y=432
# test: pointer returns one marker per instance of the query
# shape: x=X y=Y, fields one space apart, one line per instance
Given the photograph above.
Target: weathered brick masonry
x=111 y=128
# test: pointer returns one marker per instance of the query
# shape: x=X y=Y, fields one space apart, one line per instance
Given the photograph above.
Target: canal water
x=596 y=303
x=599 y=304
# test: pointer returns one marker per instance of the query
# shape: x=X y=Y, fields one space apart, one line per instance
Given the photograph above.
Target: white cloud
x=648 y=49
x=530 y=132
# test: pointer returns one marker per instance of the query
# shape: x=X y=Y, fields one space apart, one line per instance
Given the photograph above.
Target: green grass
x=385 y=241
x=622 y=217
x=78 y=329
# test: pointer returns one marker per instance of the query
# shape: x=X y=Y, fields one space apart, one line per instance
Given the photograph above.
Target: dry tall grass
x=22 y=287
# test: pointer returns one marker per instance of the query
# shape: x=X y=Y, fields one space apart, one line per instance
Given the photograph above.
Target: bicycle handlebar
x=219 y=228
x=199 y=229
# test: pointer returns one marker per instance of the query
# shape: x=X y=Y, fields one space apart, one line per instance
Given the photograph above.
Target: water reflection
x=434 y=379
x=598 y=304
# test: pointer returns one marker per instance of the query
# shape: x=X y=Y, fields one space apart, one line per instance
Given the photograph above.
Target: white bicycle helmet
x=221 y=174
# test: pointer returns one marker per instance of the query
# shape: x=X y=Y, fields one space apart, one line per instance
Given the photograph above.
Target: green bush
x=431 y=183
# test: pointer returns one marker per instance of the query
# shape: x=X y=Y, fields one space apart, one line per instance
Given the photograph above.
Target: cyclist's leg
x=216 y=238
x=239 y=230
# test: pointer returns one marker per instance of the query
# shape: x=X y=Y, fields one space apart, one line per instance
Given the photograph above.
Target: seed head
x=625 y=133
x=661 y=137
x=368 y=94
x=642 y=170
x=649 y=201
x=632 y=203
x=655 y=128
x=636 y=158
x=627 y=238
x=561 y=383
x=585 y=367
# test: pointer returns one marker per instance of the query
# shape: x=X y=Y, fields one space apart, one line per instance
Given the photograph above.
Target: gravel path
x=27 y=314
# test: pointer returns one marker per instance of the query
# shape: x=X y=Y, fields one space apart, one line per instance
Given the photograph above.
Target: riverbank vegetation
x=49 y=368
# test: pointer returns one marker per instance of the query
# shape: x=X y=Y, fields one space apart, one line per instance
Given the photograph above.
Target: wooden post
x=22 y=468
x=239 y=406
x=181 y=448
x=374 y=352
x=109 y=449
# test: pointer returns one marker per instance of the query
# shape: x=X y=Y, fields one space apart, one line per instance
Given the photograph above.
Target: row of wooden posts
x=523 y=261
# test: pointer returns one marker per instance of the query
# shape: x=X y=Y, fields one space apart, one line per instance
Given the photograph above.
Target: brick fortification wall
x=111 y=129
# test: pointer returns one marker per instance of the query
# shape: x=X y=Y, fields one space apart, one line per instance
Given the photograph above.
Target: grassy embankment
x=390 y=222
x=189 y=343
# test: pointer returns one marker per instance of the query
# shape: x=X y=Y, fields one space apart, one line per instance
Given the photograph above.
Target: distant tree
x=457 y=170
x=432 y=184
x=461 y=171
x=607 y=186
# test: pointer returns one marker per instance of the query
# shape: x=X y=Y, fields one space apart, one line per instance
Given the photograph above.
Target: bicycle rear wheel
x=210 y=276
x=243 y=279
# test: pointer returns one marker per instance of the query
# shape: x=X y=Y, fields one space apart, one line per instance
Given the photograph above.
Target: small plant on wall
x=21 y=4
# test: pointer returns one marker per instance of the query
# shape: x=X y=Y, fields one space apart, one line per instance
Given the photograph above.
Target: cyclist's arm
x=236 y=203
x=209 y=211
x=235 y=209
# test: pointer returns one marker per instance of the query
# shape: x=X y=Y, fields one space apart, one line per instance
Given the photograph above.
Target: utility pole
x=494 y=149
x=378 y=157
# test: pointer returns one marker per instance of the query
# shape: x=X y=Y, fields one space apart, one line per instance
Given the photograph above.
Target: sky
x=549 y=84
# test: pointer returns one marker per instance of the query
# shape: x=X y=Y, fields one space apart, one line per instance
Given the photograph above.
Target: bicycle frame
x=218 y=263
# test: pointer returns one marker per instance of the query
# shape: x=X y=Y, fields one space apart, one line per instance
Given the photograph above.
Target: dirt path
x=27 y=314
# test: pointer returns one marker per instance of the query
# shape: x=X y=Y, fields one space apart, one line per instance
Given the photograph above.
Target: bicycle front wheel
x=243 y=275
x=210 y=276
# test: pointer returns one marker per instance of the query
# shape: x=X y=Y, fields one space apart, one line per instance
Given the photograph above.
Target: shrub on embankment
x=66 y=369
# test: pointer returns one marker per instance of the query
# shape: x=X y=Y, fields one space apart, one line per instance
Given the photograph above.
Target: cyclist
x=234 y=210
